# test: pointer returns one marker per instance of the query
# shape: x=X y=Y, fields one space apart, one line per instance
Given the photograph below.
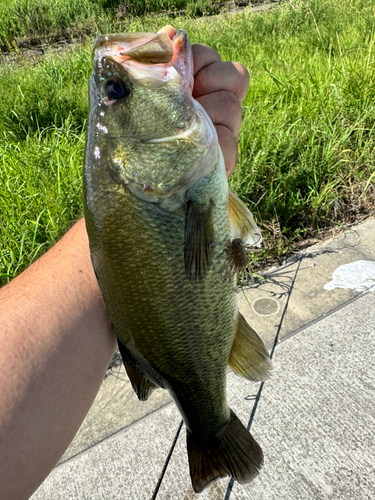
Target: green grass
x=26 y=22
x=307 y=144
x=307 y=147
x=40 y=193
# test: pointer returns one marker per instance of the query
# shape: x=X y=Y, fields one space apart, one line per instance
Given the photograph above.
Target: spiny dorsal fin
x=248 y=356
x=233 y=452
x=199 y=236
x=141 y=385
x=241 y=221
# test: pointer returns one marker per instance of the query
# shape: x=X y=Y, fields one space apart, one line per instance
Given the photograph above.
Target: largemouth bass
x=166 y=235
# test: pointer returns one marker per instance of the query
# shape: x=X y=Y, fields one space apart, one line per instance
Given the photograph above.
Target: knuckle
x=207 y=51
x=243 y=71
x=232 y=103
x=203 y=56
x=242 y=81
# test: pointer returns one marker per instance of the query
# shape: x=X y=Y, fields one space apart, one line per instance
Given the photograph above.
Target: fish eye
x=115 y=89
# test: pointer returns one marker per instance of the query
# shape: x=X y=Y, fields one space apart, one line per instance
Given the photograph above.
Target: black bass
x=165 y=232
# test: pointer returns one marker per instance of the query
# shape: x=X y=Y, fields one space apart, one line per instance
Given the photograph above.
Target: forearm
x=56 y=342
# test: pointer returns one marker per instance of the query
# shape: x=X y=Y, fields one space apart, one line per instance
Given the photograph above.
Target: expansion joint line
x=161 y=477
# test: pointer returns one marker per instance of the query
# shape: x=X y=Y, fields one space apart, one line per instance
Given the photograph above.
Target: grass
x=40 y=193
x=307 y=146
x=307 y=143
x=25 y=22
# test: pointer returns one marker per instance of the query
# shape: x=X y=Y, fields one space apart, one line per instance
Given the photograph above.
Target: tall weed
x=307 y=143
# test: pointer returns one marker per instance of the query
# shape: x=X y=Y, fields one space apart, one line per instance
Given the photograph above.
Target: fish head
x=142 y=83
x=144 y=125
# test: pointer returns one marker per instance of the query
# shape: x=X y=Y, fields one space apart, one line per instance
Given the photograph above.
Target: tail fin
x=234 y=452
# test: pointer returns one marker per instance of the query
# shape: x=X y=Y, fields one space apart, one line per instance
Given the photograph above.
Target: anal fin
x=248 y=356
x=143 y=387
x=234 y=452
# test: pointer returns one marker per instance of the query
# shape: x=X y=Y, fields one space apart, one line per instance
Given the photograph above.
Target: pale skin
x=56 y=339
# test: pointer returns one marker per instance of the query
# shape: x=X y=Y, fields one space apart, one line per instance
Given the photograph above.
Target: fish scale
x=160 y=219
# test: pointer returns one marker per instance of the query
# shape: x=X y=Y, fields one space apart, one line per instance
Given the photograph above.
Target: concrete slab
x=115 y=407
x=125 y=466
x=317 y=413
x=263 y=303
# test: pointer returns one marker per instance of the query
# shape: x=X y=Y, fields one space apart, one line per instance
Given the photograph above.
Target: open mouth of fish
x=148 y=56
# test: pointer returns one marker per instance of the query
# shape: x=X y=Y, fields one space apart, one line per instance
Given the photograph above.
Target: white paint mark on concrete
x=359 y=276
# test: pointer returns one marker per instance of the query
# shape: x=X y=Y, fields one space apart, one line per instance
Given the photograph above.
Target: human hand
x=219 y=87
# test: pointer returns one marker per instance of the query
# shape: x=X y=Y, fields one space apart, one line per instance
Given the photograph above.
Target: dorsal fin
x=241 y=221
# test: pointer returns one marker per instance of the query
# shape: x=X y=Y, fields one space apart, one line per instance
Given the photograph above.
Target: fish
x=166 y=236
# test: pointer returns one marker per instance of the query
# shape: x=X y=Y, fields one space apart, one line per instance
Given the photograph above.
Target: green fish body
x=161 y=221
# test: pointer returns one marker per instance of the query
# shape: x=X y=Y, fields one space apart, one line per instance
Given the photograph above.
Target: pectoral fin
x=248 y=356
x=242 y=222
x=199 y=236
x=141 y=385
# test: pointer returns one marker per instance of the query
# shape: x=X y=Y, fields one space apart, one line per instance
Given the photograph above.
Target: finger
x=169 y=30
x=229 y=147
x=203 y=55
x=229 y=76
x=224 y=108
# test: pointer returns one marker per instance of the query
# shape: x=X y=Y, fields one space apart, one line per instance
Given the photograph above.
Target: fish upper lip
x=163 y=52
x=103 y=39
x=129 y=47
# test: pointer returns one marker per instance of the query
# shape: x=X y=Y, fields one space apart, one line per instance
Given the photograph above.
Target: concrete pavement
x=314 y=418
